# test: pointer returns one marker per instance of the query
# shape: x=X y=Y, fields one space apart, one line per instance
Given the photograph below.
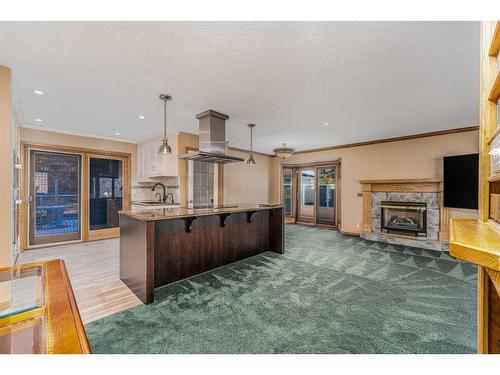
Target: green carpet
x=329 y=293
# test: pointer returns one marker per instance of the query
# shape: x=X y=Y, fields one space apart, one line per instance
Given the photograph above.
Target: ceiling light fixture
x=117 y=133
x=326 y=123
x=165 y=148
x=284 y=151
x=251 y=160
x=38 y=92
x=141 y=117
x=38 y=120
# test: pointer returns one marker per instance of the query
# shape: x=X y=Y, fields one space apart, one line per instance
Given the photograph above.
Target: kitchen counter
x=161 y=246
x=160 y=213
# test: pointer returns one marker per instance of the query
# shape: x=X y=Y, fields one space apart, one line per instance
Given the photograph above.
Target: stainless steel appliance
x=212 y=140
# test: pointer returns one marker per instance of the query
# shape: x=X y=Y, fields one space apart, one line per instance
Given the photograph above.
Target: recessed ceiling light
x=141 y=117
x=38 y=92
x=326 y=123
x=38 y=120
x=117 y=133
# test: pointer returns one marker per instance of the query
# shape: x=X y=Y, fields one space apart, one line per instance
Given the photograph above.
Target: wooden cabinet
x=478 y=241
x=150 y=164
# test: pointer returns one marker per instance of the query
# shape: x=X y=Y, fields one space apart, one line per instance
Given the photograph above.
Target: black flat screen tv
x=461 y=181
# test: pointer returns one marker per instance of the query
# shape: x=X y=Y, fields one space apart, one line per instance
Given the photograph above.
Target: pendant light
x=251 y=160
x=284 y=151
x=165 y=147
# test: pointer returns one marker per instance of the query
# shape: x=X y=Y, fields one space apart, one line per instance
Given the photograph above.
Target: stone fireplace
x=404 y=212
x=409 y=218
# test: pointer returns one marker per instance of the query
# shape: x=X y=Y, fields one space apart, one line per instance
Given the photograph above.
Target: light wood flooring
x=94 y=271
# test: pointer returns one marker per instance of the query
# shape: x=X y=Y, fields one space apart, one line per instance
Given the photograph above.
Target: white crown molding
x=77 y=133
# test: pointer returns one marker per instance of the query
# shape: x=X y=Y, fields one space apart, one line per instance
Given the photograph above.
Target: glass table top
x=25 y=337
x=21 y=290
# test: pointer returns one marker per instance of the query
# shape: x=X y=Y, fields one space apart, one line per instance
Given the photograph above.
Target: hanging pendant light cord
x=251 y=139
x=165 y=119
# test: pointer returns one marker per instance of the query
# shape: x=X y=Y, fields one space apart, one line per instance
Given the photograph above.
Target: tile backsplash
x=141 y=191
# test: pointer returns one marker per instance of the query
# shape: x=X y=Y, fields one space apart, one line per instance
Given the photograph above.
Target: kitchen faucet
x=172 y=196
x=164 y=197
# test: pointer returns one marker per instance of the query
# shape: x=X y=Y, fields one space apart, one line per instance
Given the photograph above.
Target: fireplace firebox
x=408 y=218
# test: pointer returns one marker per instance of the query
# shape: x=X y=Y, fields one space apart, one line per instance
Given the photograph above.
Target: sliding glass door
x=289 y=192
x=306 y=195
x=311 y=194
x=54 y=197
x=105 y=195
x=326 y=195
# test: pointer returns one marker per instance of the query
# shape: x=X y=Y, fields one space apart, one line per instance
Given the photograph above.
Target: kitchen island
x=161 y=246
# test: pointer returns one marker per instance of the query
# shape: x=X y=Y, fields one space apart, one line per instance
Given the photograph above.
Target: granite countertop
x=150 y=214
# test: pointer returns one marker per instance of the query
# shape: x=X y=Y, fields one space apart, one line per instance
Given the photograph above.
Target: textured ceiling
x=367 y=80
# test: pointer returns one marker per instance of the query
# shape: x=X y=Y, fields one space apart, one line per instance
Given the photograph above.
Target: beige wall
x=68 y=140
x=247 y=183
x=6 y=148
x=415 y=158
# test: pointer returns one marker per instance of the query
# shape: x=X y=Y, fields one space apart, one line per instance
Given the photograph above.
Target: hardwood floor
x=94 y=272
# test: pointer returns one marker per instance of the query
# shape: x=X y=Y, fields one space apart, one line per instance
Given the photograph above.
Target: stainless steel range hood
x=212 y=143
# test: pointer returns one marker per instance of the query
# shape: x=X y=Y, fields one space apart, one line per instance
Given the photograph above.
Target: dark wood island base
x=158 y=247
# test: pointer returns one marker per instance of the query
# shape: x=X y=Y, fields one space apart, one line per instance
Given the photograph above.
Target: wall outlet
x=359 y=195
x=358 y=225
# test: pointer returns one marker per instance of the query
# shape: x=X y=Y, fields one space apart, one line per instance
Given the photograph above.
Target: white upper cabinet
x=151 y=164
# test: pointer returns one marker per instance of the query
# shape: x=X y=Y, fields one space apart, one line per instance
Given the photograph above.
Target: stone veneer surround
x=430 y=199
x=423 y=191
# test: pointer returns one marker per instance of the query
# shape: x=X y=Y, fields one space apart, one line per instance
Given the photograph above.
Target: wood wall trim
x=495 y=41
x=392 y=139
x=403 y=181
x=444 y=218
x=367 y=212
x=495 y=90
x=487 y=115
x=72 y=149
x=357 y=234
x=420 y=185
x=6 y=151
x=335 y=162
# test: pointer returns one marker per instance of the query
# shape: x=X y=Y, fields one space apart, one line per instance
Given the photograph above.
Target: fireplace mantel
x=415 y=185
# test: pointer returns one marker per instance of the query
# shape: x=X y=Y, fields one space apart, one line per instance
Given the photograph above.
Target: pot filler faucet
x=163 y=197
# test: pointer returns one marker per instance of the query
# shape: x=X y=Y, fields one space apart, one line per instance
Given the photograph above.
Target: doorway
x=106 y=190
x=326 y=180
x=71 y=194
x=310 y=193
x=307 y=198
x=54 y=197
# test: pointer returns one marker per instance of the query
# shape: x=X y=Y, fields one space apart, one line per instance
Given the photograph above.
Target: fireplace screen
x=407 y=217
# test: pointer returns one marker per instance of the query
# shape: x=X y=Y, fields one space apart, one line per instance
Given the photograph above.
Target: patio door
x=54 y=197
x=306 y=195
x=326 y=195
x=289 y=195
x=107 y=194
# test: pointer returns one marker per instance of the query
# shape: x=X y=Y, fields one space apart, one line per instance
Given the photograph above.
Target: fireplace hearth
x=409 y=218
